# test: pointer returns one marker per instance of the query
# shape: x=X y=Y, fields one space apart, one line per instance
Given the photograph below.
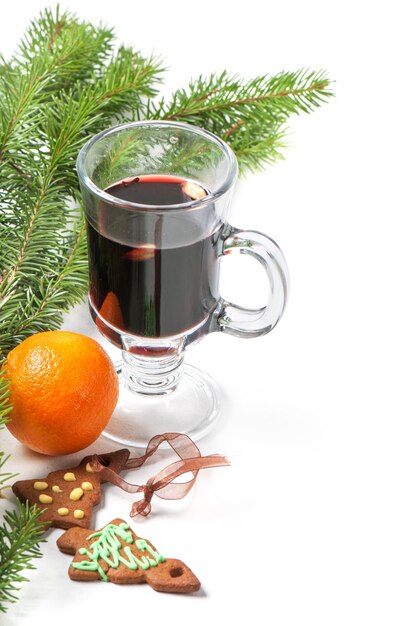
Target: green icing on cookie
x=108 y=548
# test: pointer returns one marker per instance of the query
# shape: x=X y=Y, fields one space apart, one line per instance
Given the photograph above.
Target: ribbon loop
x=161 y=483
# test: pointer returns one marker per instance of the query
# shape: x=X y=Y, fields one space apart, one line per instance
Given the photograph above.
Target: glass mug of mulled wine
x=156 y=196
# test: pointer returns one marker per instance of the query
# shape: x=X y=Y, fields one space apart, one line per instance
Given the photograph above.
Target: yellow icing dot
x=56 y=489
x=87 y=486
x=88 y=468
x=79 y=514
x=39 y=485
x=44 y=499
x=63 y=511
x=76 y=494
x=69 y=476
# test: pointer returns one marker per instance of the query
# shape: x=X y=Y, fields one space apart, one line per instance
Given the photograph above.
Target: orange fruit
x=63 y=390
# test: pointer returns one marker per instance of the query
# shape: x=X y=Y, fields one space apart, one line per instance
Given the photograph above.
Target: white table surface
x=314 y=521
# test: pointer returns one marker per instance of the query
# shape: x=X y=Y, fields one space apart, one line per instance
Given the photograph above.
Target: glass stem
x=152 y=375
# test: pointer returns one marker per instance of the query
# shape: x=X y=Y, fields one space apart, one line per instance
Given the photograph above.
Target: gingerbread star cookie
x=116 y=554
x=68 y=495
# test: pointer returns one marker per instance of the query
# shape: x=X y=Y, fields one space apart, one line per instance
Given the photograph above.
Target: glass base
x=192 y=408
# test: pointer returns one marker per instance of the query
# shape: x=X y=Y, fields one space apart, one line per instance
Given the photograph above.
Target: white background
x=314 y=522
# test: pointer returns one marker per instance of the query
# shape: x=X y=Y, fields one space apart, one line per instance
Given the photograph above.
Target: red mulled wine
x=156 y=287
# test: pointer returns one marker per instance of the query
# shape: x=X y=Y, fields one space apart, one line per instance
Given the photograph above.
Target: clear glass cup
x=154 y=271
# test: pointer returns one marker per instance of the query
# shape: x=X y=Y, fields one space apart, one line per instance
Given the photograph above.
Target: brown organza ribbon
x=161 y=483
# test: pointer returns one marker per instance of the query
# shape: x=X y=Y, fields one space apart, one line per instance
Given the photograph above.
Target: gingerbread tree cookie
x=116 y=554
x=68 y=495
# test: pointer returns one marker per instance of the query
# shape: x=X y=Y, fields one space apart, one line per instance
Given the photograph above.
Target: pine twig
x=20 y=536
x=20 y=533
x=46 y=124
x=250 y=115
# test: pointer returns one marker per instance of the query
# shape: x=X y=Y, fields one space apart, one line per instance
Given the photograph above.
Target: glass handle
x=243 y=322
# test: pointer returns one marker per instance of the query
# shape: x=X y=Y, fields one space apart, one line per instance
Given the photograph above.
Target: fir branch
x=50 y=122
x=68 y=49
x=249 y=115
x=45 y=308
x=41 y=68
x=20 y=533
x=20 y=536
